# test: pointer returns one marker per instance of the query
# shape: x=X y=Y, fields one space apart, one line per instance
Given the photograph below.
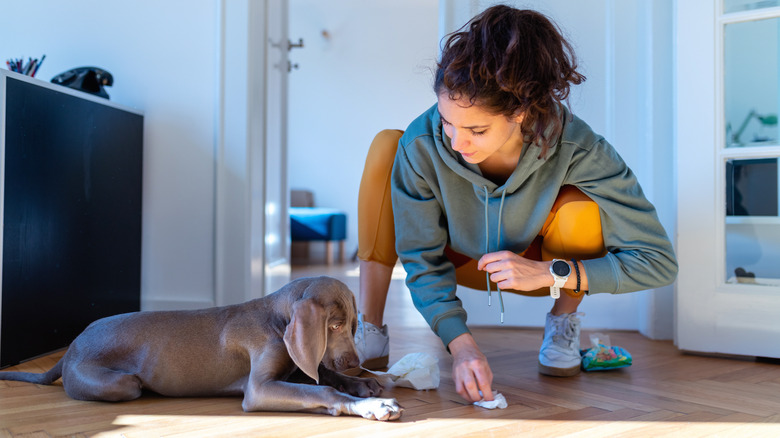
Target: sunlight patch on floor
x=249 y=424
x=217 y=426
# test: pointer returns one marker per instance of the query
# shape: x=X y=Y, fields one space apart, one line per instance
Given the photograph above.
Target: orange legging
x=572 y=229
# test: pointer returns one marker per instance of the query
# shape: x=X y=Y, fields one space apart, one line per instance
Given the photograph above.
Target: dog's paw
x=360 y=387
x=382 y=409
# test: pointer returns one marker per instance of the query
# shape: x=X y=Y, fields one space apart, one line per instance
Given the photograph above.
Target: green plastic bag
x=604 y=356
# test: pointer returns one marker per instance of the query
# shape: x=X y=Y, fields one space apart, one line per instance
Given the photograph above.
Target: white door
x=270 y=187
x=728 y=144
x=252 y=238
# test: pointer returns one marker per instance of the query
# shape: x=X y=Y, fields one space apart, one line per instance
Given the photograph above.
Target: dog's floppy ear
x=306 y=336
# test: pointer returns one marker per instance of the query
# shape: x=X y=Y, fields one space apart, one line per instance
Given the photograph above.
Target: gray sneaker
x=560 y=352
x=373 y=345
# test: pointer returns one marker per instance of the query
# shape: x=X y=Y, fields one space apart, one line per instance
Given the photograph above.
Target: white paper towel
x=415 y=370
x=499 y=401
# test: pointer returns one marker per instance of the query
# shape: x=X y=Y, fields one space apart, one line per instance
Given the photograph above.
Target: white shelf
x=773 y=282
x=752 y=220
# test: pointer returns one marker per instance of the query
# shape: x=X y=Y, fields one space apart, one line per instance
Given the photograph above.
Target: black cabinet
x=71 y=186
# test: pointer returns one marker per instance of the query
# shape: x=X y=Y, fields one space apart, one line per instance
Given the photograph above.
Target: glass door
x=751 y=103
x=728 y=80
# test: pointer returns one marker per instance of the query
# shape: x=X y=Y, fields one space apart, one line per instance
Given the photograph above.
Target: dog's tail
x=46 y=378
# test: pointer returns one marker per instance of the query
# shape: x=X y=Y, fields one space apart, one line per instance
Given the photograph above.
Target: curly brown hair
x=511 y=61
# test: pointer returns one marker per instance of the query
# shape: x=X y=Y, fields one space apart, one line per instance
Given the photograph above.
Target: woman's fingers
x=511 y=271
x=470 y=369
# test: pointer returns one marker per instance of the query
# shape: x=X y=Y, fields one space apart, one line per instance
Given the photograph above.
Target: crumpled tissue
x=499 y=401
x=415 y=370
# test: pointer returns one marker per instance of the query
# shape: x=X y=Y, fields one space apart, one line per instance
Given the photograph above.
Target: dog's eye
x=335 y=327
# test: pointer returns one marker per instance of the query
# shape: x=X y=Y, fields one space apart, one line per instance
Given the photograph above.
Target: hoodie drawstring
x=487 y=242
x=498 y=245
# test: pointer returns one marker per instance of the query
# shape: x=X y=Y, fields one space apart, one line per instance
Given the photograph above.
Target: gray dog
x=257 y=349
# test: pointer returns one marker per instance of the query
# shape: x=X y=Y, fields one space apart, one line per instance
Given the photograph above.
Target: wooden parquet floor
x=664 y=393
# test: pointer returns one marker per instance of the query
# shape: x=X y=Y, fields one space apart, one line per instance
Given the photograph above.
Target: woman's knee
x=573 y=229
x=376 y=233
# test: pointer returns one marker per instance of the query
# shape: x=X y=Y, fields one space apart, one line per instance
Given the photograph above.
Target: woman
x=500 y=179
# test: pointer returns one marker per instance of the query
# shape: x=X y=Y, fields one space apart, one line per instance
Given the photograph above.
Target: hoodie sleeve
x=640 y=255
x=421 y=236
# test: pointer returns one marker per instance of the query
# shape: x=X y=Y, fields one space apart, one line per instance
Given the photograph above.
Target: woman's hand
x=470 y=369
x=511 y=271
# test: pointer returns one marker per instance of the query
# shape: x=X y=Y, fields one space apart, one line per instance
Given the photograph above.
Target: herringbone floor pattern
x=664 y=393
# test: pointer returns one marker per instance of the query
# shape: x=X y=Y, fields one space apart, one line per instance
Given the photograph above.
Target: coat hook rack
x=291 y=45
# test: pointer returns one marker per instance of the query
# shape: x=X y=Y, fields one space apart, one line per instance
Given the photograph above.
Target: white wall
x=372 y=71
x=163 y=57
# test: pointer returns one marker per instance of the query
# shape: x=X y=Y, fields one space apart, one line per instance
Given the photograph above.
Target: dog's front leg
x=275 y=395
x=357 y=386
x=267 y=390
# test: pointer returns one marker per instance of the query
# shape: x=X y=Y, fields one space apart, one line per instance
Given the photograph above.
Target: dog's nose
x=354 y=361
x=347 y=362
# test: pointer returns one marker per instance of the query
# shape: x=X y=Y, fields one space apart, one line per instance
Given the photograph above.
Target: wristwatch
x=560 y=271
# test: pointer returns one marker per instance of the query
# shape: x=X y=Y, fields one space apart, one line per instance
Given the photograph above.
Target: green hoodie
x=440 y=199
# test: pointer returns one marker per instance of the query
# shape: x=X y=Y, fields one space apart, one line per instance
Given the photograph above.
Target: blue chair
x=309 y=223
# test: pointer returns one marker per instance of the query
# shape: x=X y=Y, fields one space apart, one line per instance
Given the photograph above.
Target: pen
x=31 y=67
x=39 y=65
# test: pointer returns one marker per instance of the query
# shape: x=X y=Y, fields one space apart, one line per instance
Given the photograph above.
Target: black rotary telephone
x=88 y=79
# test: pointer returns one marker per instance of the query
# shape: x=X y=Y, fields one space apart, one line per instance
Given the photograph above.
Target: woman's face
x=477 y=134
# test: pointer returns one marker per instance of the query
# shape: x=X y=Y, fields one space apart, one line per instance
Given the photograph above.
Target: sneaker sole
x=371 y=364
x=559 y=372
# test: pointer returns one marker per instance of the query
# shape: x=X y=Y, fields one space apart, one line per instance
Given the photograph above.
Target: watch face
x=561 y=268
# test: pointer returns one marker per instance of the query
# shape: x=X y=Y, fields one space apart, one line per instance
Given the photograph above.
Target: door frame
x=711 y=316
x=251 y=206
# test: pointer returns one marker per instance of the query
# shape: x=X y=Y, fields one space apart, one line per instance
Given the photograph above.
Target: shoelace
x=567 y=328
x=362 y=329
x=498 y=245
